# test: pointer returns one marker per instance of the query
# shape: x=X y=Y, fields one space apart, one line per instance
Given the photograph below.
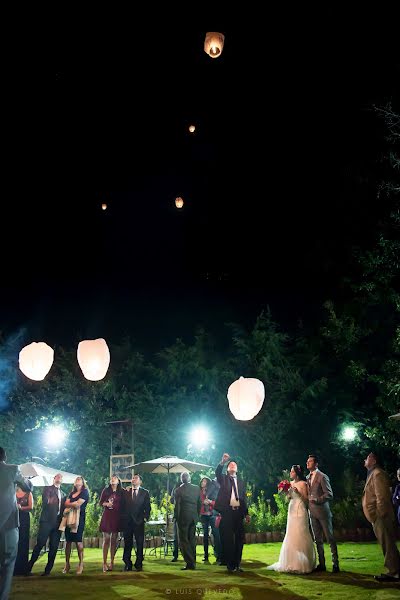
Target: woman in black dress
x=79 y=497
x=25 y=505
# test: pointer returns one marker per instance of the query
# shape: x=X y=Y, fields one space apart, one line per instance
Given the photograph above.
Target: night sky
x=279 y=179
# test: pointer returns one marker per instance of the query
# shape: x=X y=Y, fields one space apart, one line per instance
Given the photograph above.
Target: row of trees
x=343 y=370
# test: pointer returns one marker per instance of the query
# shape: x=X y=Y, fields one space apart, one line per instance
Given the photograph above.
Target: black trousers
x=51 y=531
x=137 y=530
x=232 y=537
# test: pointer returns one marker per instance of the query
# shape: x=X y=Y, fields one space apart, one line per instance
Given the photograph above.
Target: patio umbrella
x=168 y=464
x=41 y=475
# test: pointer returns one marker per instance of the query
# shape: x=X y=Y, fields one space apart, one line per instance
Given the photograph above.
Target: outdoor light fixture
x=179 y=202
x=246 y=397
x=35 y=360
x=214 y=44
x=94 y=358
x=200 y=437
x=349 y=433
x=55 y=435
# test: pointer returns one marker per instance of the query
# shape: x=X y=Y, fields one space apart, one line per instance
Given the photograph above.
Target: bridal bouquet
x=284 y=486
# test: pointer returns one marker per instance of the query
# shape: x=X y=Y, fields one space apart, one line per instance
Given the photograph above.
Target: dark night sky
x=279 y=180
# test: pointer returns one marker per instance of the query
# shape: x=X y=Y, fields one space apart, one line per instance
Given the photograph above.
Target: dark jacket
x=223 y=500
x=139 y=510
x=49 y=512
x=10 y=476
x=187 y=503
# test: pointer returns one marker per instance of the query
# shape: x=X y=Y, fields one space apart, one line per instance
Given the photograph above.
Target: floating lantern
x=104 y=206
x=179 y=202
x=94 y=358
x=35 y=360
x=214 y=44
x=192 y=128
x=246 y=397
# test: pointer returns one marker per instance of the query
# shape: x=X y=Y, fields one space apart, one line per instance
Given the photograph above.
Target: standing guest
x=396 y=497
x=25 y=506
x=176 y=543
x=378 y=510
x=187 y=508
x=231 y=503
x=319 y=494
x=137 y=511
x=78 y=500
x=110 y=524
x=208 y=493
x=53 y=499
x=9 y=521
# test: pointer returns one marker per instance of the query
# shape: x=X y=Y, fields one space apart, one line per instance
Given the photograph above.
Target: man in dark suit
x=137 y=511
x=186 y=513
x=53 y=500
x=9 y=520
x=231 y=503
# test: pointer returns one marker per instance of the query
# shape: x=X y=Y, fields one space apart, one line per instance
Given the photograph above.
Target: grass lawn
x=161 y=579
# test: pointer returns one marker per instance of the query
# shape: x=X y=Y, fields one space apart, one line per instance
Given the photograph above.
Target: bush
x=348 y=513
x=93 y=516
x=263 y=515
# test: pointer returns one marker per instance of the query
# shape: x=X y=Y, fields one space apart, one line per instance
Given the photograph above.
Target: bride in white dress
x=297 y=552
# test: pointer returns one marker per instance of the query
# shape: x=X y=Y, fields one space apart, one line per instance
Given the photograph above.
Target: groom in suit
x=319 y=494
x=53 y=500
x=137 y=511
x=9 y=520
x=231 y=503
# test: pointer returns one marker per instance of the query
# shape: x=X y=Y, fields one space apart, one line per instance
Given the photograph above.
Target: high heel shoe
x=79 y=569
x=105 y=568
x=66 y=568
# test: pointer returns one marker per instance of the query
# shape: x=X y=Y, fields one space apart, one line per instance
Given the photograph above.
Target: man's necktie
x=234 y=488
x=134 y=495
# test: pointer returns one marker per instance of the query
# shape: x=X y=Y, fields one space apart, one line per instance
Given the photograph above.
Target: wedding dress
x=297 y=552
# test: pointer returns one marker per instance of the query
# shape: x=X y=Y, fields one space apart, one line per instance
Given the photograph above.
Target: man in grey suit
x=186 y=513
x=9 y=520
x=319 y=494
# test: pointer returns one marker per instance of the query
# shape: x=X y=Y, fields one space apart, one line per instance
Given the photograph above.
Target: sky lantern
x=192 y=128
x=214 y=44
x=35 y=360
x=246 y=397
x=179 y=202
x=94 y=358
x=104 y=206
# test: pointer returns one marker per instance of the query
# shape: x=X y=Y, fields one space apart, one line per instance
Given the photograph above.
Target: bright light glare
x=349 y=434
x=55 y=435
x=200 y=437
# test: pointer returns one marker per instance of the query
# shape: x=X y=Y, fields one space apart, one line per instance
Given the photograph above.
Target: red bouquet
x=284 y=486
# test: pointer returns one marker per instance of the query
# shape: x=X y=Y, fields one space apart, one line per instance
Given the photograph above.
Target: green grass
x=161 y=579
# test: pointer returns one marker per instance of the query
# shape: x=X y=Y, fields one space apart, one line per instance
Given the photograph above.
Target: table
x=153 y=531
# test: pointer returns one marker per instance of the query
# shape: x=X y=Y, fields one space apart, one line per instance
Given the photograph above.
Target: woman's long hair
x=208 y=482
x=119 y=486
x=298 y=469
x=84 y=484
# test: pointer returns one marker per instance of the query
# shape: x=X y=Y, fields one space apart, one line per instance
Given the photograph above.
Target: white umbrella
x=41 y=475
x=168 y=464
x=397 y=417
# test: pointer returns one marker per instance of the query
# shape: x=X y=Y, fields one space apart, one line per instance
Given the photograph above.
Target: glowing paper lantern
x=94 y=358
x=35 y=360
x=179 y=202
x=246 y=397
x=104 y=206
x=214 y=44
x=192 y=128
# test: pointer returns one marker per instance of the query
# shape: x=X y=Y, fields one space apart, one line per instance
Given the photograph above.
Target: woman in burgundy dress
x=110 y=524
